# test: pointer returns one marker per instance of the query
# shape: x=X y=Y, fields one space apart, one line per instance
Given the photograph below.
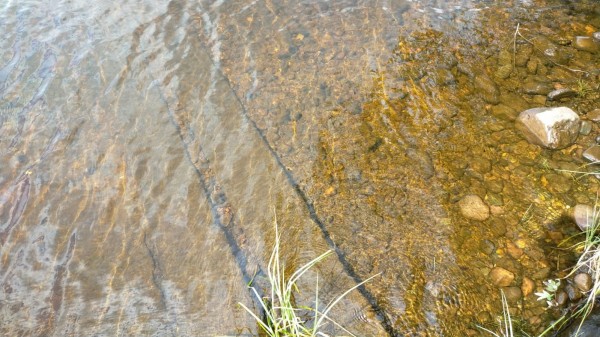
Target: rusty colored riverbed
x=147 y=148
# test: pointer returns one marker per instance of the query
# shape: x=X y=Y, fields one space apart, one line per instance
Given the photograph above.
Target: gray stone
x=553 y=128
x=583 y=215
x=592 y=154
x=472 y=207
x=501 y=277
x=583 y=281
x=596 y=36
x=586 y=43
x=558 y=94
x=537 y=88
x=573 y=292
x=586 y=128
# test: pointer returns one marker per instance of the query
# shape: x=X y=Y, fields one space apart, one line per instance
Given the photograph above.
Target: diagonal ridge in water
x=340 y=254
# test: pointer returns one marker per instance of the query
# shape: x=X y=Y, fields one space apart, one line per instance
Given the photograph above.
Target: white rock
x=553 y=128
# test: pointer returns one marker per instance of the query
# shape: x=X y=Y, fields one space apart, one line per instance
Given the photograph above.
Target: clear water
x=146 y=150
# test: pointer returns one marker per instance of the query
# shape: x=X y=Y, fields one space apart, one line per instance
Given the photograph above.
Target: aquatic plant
x=549 y=292
x=583 y=88
x=282 y=317
x=589 y=261
x=505 y=322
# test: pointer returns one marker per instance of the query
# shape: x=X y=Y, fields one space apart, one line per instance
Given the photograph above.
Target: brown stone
x=501 y=277
x=473 y=207
x=583 y=281
x=514 y=251
x=513 y=294
x=528 y=286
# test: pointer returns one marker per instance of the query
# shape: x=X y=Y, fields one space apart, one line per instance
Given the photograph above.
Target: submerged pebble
x=586 y=43
x=561 y=93
x=501 y=277
x=473 y=207
x=592 y=154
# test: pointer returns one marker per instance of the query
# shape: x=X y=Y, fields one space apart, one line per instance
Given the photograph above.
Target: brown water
x=146 y=150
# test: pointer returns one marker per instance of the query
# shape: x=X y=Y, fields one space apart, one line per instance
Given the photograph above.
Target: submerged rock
x=594 y=115
x=553 y=128
x=472 y=207
x=537 y=88
x=592 y=153
x=489 y=89
x=586 y=43
x=586 y=128
x=527 y=286
x=501 y=277
x=561 y=93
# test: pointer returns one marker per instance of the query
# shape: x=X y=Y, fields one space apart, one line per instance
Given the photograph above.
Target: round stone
x=583 y=216
x=583 y=281
x=472 y=207
x=501 y=277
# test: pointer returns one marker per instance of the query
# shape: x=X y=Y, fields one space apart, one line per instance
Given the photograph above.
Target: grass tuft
x=505 y=323
x=282 y=317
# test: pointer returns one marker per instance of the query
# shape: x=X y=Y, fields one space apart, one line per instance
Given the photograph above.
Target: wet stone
x=558 y=183
x=513 y=250
x=489 y=89
x=583 y=215
x=586 y=128
x=561 y=298
x=495 y=186
x=504 y=112
x=537 y=88
x=562 y=93
x=513 y=294
x=583 y=281
x=592 y=154
x=527 y=286
x=573 y=292
x=594 y=115
x=539 y=100
x=504 y=71
x=553 y=128
x=487 y=247
x=532 y=66
x=481 y=165
x=586 y=43
x=472 y=207
x=494 y=199
x=501 y=277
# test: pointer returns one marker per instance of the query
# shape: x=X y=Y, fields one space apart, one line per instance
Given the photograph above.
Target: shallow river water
x=147 y=148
